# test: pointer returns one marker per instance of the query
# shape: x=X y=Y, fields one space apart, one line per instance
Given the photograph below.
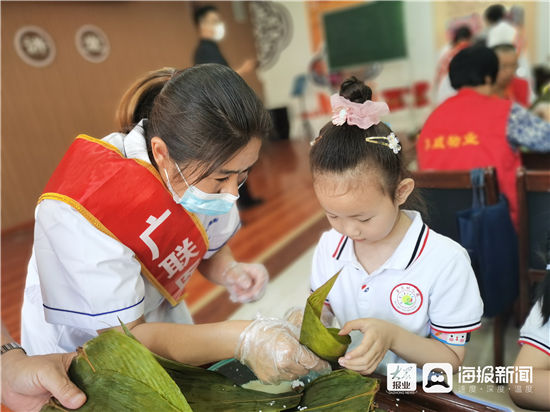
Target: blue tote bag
x=487 y=233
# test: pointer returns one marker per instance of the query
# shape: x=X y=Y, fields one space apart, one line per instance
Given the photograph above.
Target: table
x=422 y=401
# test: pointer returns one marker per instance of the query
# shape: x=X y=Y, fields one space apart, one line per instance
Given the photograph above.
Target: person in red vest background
x=474 y=129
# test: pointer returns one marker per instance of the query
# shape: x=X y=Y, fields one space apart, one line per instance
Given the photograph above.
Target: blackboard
x=371 y=32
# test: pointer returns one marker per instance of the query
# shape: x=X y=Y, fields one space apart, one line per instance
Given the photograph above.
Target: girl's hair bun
x=355 y=90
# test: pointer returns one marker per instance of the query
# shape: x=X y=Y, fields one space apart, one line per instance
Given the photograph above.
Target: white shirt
x=534 y=332
x=80 y=280
x=444 y=90
x=427 y=286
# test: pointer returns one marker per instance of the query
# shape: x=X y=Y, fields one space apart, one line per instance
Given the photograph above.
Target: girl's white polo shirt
x=427 y=286
x=80 y=280
x=534 y=332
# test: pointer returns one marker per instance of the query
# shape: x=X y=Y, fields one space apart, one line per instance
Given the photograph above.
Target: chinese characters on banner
x=451 y=141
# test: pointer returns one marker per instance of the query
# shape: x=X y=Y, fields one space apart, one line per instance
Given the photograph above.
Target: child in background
x=535 y=352
x=410 y=292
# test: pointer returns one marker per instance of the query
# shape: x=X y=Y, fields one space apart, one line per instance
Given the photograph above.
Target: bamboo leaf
x=340 y=391
x=117 y=359
x=108 y=390
x=210 y=391
x=207 y=390
x=324 y=342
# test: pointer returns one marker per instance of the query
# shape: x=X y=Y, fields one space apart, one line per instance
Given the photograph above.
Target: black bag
x=487 y=233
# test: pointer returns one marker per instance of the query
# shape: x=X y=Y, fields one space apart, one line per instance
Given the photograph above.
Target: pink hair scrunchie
x=362 y=115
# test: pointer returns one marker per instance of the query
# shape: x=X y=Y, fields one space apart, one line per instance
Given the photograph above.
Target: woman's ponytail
x=137 y=101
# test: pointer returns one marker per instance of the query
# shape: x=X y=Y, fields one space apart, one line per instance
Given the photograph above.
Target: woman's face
x=225 y=179
x=507 y=66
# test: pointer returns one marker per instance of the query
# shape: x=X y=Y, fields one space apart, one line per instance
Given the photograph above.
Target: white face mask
x=219 y=31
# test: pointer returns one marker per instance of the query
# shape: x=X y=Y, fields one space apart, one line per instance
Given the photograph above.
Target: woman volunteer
x=124 y=222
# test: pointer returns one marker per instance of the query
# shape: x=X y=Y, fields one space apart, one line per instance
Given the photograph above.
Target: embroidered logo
x=406 y=298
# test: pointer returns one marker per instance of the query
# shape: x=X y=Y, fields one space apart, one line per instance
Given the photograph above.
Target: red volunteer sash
x=127 y=200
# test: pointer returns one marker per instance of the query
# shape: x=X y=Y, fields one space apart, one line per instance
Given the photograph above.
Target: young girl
x=535 y=352
x=126 y=220
x=409 y=291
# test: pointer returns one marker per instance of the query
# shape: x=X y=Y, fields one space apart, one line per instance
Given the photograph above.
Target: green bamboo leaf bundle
x=118 y=373
x=207 y=390
x=324 y=342
x=210 y=391
x=340 y=391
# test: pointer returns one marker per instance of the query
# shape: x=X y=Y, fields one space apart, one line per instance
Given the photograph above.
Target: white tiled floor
x=291 y=288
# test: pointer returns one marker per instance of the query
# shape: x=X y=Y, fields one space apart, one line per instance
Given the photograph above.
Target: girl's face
x=226 y=179
x=357 y=207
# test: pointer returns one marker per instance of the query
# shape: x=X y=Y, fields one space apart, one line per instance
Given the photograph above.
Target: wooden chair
x=445 y=193
x=534 y=225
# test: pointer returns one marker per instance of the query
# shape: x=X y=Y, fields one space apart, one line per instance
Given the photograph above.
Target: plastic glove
x=295 y=316
x=270 y=347
x=245 y=282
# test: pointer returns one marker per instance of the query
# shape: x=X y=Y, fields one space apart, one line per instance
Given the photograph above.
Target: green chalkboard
x=371 y=32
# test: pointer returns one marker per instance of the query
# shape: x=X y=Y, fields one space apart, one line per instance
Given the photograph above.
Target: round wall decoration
x=34 y=46
x=92 y=43
x=273 y=31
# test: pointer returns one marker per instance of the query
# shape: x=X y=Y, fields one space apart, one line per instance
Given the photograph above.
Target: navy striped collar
x=409 y=250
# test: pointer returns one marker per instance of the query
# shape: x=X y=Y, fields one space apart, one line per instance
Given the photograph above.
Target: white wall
x=543 y=33
x=279 y=79
x=419 y=66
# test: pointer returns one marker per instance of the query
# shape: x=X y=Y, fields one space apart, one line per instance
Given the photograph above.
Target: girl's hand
x=246 y=282
x=378 y=337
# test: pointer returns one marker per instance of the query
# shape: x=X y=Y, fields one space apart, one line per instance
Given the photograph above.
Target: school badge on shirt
x=406 y=298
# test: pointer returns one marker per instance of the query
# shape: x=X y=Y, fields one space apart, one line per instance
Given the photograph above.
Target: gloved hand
x=270 y=347
x=246 y=282
x=295 y=316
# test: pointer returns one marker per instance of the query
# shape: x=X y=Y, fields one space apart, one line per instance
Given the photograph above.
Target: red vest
x=127 y=200
x=518 y=91
x=468 y=131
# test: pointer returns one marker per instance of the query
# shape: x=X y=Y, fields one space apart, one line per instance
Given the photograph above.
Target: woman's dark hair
x=472 y=65
x=494 y=13
x=205 y=113
x=201 y=12
x=340 y=149
x=462 y=33
x=137 y=101
x=504 y=47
